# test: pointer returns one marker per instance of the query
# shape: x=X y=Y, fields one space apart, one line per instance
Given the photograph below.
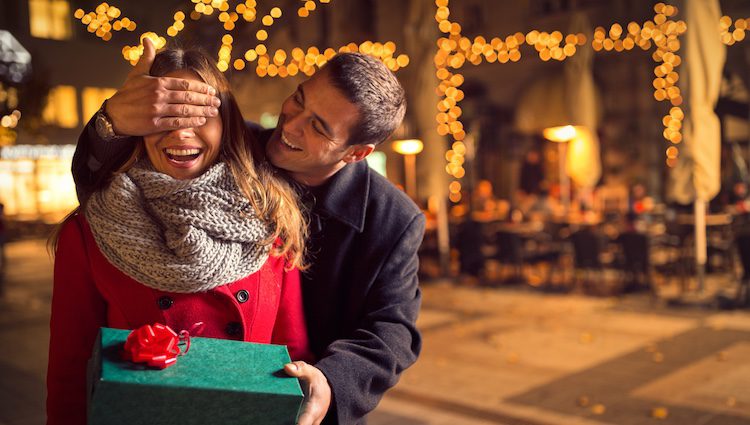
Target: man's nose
x=293 y=123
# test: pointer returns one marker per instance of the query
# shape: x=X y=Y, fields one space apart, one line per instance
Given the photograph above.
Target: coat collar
x=344 y=195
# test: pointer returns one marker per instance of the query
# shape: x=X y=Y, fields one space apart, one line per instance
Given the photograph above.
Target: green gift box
x=217 y=382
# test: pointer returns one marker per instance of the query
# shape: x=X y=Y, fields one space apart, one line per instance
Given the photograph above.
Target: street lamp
x=561 y=135
x=409 y=148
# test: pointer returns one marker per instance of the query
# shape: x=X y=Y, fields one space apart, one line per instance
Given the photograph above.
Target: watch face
x=103 y=128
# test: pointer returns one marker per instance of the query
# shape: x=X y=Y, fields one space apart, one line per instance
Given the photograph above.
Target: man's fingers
x=182 y=84
x=184 y=110
x=173 y=123
x=147 y=58
x=191 y=98
x=298 y=369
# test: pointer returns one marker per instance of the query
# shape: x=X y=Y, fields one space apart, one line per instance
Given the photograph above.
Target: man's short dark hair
x=367 y=83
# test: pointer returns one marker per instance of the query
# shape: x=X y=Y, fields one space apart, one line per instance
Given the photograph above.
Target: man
x=361 y=292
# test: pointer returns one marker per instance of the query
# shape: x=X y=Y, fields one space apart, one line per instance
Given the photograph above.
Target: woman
x=182 y=235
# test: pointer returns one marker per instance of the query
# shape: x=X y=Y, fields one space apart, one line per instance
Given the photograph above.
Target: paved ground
x=491 y=356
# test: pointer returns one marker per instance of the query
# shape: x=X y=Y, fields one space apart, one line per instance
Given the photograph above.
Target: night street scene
x=417 y=212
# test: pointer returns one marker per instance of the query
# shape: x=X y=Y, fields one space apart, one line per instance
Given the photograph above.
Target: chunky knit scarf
x=178 y=235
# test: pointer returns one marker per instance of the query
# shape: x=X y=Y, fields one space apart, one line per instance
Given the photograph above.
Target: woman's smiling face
x=188 y=152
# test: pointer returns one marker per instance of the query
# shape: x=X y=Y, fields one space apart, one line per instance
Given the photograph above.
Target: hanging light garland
x=663 y=33
x=455 y=50
x=103 y=20
x=282 y=63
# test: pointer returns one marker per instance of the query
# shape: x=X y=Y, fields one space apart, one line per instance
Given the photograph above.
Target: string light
x=285 y=63
x=730 y=36
x=455 y=50
x=103 y=20
x=282 y=64
x=662 y=32
x=11 y=120
x=133 y=53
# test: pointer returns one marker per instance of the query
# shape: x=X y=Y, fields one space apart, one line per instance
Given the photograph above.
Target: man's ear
x=357 y=153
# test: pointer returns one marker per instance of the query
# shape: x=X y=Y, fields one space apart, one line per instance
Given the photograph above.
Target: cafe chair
x=589 y=269
x=515 y=251
x=635 y=261
x=469 y=242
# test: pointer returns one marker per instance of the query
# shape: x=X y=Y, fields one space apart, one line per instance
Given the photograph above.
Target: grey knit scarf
x=178 y=235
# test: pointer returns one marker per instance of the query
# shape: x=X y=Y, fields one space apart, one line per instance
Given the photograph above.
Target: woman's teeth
x=182 y=154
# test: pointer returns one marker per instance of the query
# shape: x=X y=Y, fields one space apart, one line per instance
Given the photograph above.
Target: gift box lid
x=217 y=381
x=210 y=363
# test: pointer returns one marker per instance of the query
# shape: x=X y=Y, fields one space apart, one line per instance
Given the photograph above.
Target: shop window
x=50 y=19
x=35 y=182
x=62 y=107
x=92 y=99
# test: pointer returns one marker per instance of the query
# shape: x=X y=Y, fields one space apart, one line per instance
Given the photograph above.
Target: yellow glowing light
x=261 y=35
x=276 y=12
x=408 y=146
x=560 y=134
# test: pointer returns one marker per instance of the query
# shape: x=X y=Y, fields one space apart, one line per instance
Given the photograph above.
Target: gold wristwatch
x=104 y=125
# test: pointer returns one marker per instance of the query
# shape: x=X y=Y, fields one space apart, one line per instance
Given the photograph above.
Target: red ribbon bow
x=157 y=345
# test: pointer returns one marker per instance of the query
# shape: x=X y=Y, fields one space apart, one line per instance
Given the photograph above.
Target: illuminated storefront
x=36 y=183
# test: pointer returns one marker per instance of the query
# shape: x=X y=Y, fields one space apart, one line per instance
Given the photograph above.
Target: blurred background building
x=55 y=73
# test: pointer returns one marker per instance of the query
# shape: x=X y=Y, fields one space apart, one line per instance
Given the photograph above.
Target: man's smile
x=285 y=142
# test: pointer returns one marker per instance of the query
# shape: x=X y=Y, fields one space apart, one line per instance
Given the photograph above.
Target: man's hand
x=317 y=392
x=146 y=105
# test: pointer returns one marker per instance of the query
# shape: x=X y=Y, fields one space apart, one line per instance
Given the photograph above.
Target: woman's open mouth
x=182 y=157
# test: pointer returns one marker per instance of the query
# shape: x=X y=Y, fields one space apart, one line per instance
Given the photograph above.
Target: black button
x=234 y=329
x=242 y=296
x=164 y=302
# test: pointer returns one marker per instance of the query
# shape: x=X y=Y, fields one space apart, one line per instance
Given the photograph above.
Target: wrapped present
x=217 y=382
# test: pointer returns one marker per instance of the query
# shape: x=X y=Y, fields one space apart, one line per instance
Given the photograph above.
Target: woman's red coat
x=90 y=293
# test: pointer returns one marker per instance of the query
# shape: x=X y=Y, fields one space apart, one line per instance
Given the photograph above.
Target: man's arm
x=362 y=368
x=95 y=159
x=143 y=105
